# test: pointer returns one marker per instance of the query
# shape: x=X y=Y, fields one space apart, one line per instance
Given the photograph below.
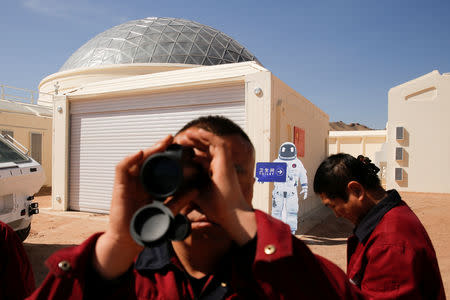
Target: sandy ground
x=53 y=230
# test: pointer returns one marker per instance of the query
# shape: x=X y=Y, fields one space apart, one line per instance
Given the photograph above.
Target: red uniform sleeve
x=16 y=274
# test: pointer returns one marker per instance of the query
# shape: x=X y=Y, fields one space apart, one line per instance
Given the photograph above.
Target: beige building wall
x=333 y=145
x=23 y=125
x=351 y=145
x=373 y=145
x=289 y=109
x=422 y=107
x=363 y=142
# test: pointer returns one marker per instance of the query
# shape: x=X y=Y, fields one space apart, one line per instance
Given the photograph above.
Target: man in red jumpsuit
x=232 y=252
x=16 y=274
x=390 y=255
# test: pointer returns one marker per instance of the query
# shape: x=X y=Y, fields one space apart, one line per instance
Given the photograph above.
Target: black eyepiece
x=165 y=173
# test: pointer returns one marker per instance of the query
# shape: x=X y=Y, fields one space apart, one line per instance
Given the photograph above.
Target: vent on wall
x=398 y=153
x=399 y=174
x=399 y=133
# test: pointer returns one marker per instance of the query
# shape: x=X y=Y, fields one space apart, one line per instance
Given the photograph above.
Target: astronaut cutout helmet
x=287 y=151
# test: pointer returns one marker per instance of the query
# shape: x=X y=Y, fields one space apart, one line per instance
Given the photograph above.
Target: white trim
x=359 y=133
x=201 y=76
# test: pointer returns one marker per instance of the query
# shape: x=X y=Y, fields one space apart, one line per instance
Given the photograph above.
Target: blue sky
x=344 y=56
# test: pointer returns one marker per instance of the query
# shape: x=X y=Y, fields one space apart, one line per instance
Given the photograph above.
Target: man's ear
x=356 y=189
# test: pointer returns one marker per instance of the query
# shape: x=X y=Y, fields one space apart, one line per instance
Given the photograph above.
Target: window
x=9 y=154
x=398 y=153
x=36 y=147
x=399 y=133
x=399 y=174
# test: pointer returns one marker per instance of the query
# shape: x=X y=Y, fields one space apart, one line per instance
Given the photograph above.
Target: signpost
x=271 y=171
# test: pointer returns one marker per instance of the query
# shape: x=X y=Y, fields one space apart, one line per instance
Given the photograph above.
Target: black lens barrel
x=162 y=175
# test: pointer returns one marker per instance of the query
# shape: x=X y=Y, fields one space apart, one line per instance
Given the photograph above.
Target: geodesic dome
x=159 y=40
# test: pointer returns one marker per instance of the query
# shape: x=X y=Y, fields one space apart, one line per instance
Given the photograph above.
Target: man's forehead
x=238 y=140
x=240 y=147
x=242 y=152
x=239 y=144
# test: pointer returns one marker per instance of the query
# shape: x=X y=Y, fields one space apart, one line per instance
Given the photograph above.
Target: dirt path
x=54 y=230
x=51 y=231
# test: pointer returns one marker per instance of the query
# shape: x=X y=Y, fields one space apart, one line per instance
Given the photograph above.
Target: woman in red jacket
x=390 y=255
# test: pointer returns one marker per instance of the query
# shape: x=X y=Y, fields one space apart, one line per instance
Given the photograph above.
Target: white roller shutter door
x=105 y=131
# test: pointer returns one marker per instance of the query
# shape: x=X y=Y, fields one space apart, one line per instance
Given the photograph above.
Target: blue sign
x=271 y=171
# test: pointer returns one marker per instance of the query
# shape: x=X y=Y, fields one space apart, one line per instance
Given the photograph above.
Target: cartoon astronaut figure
x=284 y=194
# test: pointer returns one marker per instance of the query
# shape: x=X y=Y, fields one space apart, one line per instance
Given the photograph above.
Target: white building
x=415 y=156
x=418 y=149
x=134 y=83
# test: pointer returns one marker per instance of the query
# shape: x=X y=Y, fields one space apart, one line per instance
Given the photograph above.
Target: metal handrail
x=31 y=97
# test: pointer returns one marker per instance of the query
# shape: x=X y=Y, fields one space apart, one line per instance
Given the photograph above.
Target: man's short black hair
x=219 y=125
x=335 y=172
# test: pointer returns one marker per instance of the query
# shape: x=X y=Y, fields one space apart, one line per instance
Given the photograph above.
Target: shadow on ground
x=44 y=191
x=330 y=231
x=38 y=254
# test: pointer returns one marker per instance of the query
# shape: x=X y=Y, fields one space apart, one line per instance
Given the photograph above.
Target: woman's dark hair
x=335 y=172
